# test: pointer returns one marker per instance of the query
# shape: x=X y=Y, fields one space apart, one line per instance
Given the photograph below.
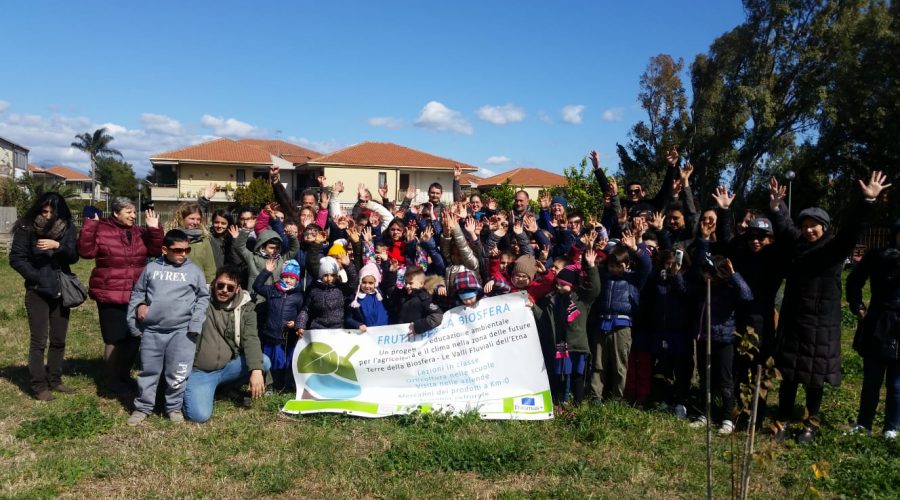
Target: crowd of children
x=619 y=298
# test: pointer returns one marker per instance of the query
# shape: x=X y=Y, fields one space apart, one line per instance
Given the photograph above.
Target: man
x=228 y=348
x=520 y=206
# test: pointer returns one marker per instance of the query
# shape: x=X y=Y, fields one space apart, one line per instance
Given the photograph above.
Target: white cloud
x=386 y=122
x=497 y=160
x=438 y=117
x=485 y=172
x=501 y=115
x=572 y=113
x=4 y=105
x=613 y=114
x=320 y=146
x=230 y=127
x=162 y=124
x=544 y=117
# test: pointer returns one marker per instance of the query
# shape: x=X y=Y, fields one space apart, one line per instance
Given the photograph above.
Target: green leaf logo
x=321 y=358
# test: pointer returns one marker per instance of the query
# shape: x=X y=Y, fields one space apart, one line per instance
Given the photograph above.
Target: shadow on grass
x=92 y=368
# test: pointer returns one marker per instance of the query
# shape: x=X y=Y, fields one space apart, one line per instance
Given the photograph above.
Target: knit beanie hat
x=337 y=250
x=817 y=214
x=568 y=276
x=559 y=199
x=467 y=285
x=525 y=265
x=370 y=269
x=327 y=265
x=291 y=268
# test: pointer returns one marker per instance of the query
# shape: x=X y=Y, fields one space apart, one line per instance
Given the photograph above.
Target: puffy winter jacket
x=282 y=307
x=121 y=253
x=324 y=305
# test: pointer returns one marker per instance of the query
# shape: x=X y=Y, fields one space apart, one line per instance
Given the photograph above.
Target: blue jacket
x=281 y=307
x=725 y=297
x=620 y=295
x=371 y=312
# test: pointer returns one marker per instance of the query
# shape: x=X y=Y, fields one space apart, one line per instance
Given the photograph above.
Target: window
x=241 y=177
x=85 y=187
x=404 y=182
x=382 y=179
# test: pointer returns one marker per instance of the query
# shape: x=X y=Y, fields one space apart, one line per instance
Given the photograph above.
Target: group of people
x=619 y=298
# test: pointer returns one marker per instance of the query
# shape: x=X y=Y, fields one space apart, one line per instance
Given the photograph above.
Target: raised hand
x=233 y=231
x=673 y=157
x=685 y=173
x=367 y=234
x=613 y=187
x=875 y=186
x=410 y=233
x=362 y=191
x=339 y=187
x=342 y=222
x=776 y=194
x=150 y=218
x=321 y=180
x=383 y=191
x=530 y=223
x=270 y=265
x=410 y=192
x=595 y=159
x=590 y=257
x=588 y=238
x=471 y=227
x=707 y=227
x=273 y=174
x=677 y=186
x=457 y=171
x=545 y=200
x=723 y=199
x=353 y=234
x=629 y=240
x=394 y=265
x=428 y=233
x=210 y=191
x=518 y=227
x=492 y=204
x=729 y=268
x=657 y=220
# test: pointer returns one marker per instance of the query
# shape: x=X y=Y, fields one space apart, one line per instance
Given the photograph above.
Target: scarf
x=283 y=287
x=52 y=228
x=194 y=235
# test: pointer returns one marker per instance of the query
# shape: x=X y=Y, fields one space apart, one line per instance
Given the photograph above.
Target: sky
x=496 y=84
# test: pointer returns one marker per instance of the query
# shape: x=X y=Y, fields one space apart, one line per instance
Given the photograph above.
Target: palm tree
x=96 y=145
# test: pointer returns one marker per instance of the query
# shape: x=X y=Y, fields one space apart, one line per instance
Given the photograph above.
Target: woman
x=878 y=336
x=43 y=245
x=121 y=250
x=189 y=218
x=220 y=240
x=808 y=349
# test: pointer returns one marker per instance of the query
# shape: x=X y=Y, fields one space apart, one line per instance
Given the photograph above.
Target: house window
x=404 y=182
x=241 y=177
x=85 y=187
x=382 y=179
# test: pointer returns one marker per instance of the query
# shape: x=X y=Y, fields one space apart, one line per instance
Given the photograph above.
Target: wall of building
x=7 y=162
x=352 y=177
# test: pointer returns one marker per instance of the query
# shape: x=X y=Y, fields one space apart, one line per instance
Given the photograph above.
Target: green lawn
x=79 y=445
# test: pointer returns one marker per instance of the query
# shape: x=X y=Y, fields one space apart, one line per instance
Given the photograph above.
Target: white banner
x=485 y=358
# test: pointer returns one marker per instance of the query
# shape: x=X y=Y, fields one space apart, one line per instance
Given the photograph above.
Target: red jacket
x=119 y=262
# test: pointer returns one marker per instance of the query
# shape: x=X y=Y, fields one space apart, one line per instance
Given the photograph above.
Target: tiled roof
x=68 y=173
x=291 y=152
x=526 y=177
x=467 y=179
x=36 y=169
x=220 y=150
x=388 y=155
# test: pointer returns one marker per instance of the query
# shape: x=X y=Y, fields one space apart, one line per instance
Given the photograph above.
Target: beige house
x=68 y=176
x=183 y=174
x=530 y=180
x=13 y=159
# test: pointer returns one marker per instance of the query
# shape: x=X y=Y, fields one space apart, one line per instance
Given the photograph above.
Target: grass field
x=79 y=445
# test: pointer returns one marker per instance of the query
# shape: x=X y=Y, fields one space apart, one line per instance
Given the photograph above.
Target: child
x=327 y=298
x=283 y=302
x=167 y=309
x=467 y=288
x=562 y=327
x=367 y=308
x=412 y=304
x=618 y=303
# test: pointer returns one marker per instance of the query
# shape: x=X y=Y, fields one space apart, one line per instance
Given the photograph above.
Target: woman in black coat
x=878 y=335
x=44 y=243
x=808 y=345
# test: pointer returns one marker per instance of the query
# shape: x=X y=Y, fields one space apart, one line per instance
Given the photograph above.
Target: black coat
x=39 y=267
x=808 y=345
x=879 y=334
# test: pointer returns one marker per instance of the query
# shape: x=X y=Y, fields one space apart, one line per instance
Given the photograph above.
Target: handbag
x=71 y=292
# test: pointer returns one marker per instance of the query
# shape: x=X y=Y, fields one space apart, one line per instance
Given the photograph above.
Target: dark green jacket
x=220 y=342
x=576 y=331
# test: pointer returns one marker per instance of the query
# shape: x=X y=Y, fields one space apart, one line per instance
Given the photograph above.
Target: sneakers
x=858 y=429
x=698 y=422
x=680 y=411
x=891 y=434
x=726 y=428
x=136 y=418
x=176 y=417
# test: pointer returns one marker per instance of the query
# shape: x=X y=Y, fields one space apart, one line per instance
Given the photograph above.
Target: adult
x=520 y=206
x=188 y=217
x=635 y=196
x=808 y=349
x=220 y=240
x=121 y=250
x=878 y=335
x=43 y=245
x=228 y=348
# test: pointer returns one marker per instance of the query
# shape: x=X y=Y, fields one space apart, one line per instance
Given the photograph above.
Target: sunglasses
x=179 y=251
x=226 y=286
x=634 y=191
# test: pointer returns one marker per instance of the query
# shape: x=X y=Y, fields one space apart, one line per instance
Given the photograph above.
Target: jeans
x=201 y=386
x=46 y=316
x=874 y=371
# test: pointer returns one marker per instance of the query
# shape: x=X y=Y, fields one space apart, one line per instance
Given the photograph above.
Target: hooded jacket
x=228 y=331
x=177 y=297
x=255 y=261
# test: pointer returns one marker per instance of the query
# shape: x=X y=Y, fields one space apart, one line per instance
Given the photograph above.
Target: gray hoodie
x=177 y=297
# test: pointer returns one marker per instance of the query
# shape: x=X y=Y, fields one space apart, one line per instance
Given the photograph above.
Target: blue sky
x=494 y=84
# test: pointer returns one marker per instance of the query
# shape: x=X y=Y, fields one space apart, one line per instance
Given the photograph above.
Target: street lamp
x=790 y=175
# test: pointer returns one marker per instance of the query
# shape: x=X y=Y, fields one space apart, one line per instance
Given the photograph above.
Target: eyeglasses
x=179 y=251
x=225 y=286
x=245 y=219
x=634 y=191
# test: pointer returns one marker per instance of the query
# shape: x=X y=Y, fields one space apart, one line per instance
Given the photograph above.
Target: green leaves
x=321 y=358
